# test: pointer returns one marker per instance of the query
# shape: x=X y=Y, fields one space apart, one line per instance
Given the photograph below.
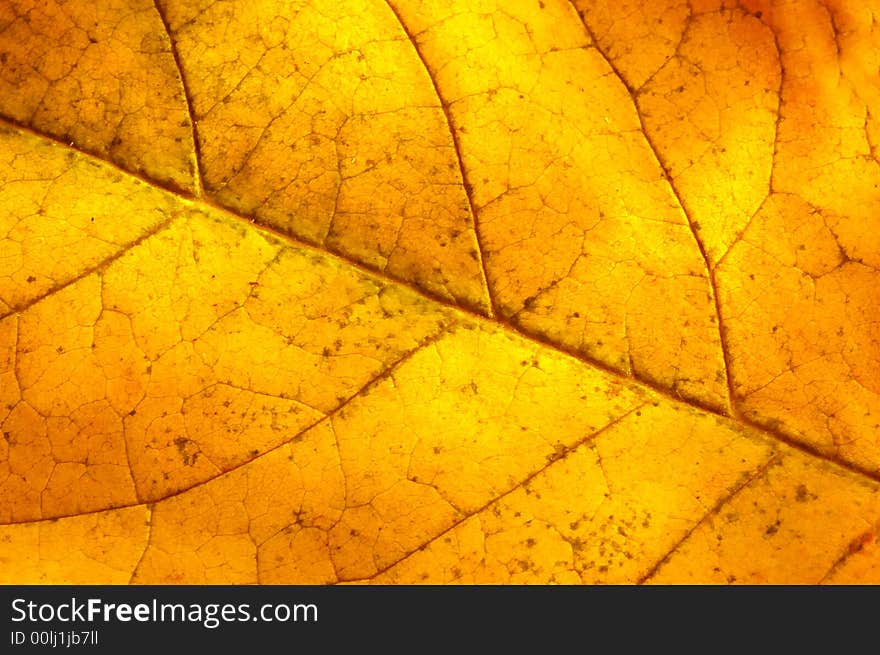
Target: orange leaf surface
x=409 y=291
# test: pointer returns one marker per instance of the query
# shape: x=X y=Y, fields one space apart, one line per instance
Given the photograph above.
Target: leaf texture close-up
x=439 y=291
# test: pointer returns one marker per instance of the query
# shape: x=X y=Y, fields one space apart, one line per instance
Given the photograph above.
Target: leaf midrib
x=190 y=200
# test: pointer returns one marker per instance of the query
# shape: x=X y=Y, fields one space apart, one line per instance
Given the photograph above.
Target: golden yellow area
x=465 y=291
x=77 y=550
x=100 y=76
x=319 y=119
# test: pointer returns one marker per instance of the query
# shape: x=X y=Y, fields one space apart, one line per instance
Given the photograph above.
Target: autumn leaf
x=411 y=291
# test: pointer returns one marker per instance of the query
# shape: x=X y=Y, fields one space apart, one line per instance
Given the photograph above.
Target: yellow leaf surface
x=409 y=291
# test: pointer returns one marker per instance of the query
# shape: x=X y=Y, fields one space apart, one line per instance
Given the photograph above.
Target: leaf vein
x=771 y=429
x=382 y=375
x=450 y=124
x=713 y=511
x=197 y=167
x=710 y=270
x=521 y=484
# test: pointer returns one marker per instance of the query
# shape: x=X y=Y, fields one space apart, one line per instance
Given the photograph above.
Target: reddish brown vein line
x=775 y=156
x=450 y=125
x=384 y=374
x=287 y=237
x=150 y=510
x=710 y=270
x=519 y=485
x=735 y=491
x=197 y=173
x=854 y=547
x=100 y=266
